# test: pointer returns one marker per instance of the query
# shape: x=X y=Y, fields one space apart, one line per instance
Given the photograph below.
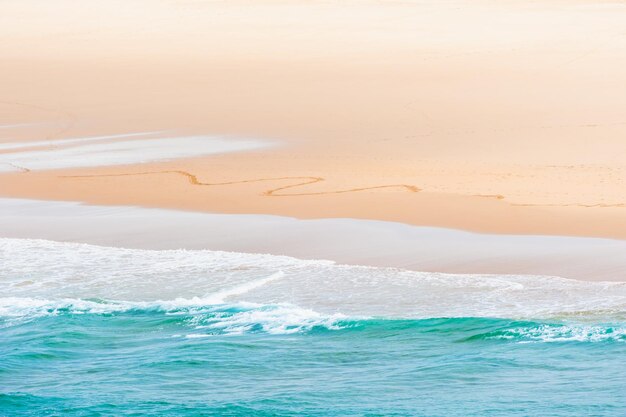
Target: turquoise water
x=74 y=342
x=137 y=362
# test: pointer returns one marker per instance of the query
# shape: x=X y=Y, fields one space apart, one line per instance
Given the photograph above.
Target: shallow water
x=87 y=330
x=121 y=149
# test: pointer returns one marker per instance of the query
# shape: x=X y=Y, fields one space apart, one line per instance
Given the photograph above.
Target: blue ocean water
x=75 y=342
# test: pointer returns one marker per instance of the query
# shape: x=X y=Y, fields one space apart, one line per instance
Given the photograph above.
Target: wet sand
x=347 y=241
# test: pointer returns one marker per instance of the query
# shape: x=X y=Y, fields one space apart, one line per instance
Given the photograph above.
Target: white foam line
x=125 y=152
x=29 y=145
x=13 y=126
x=221 y=296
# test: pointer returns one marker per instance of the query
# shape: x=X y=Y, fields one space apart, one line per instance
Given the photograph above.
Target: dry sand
x=492 y=116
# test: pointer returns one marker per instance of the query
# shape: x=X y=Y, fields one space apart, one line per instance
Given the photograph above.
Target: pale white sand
x=362 y=242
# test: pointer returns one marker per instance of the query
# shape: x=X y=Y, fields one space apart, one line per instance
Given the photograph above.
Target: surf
x=56 y=271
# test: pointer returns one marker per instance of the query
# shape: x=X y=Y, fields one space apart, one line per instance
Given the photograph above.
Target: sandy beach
x=313 y=208
x=492 y=117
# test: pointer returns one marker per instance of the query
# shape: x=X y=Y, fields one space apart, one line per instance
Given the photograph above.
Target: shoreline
x=346 y=241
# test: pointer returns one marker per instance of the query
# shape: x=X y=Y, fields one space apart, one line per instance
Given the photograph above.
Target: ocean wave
x=195 y=319
x=39 y=277
x=281 y=319
x=551 y=333
x=195 y=314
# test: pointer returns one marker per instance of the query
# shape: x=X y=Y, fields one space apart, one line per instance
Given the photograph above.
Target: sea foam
x=40 y=276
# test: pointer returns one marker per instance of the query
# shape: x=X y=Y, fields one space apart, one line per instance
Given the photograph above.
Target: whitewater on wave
x=38 y=277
